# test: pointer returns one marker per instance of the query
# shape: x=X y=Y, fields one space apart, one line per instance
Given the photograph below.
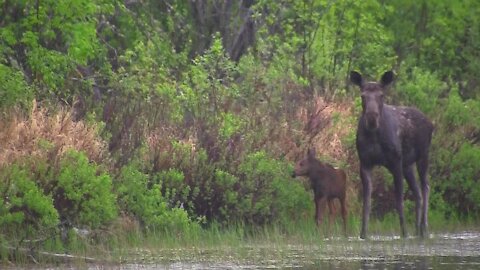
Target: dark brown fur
x=327 y=183
x=394 y=137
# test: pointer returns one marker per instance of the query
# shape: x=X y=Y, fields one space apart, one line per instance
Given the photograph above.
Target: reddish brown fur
x=327 y=183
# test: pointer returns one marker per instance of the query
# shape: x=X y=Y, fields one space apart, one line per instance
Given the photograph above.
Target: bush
x=83 y=194
x=142 y=198
x=226 y=183
x=266 y=192
x=455 y=155
x=464 y=114
x=421 y=88
x=232 y=188
x=14 y=89
x=23 y=205
x=460 y=187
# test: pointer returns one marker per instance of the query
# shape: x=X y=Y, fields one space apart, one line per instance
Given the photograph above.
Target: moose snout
x=372 y=120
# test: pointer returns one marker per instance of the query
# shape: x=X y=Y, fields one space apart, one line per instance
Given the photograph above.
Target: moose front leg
x=319 y=207
x=366 y=177
x=332 y=214
x=396 y=171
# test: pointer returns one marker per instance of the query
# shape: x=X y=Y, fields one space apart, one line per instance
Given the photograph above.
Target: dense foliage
x=182 y=113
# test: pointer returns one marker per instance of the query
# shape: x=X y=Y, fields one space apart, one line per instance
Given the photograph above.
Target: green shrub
x=231 y=124
x=455 y=156
x=461 y=185
x=226 y=183
x=460 y=113
x=421 y=89
x=14 y=89
x=253 y=188
x=440 y=210
x=83 y=194
x=266 y=192
x=142 y=198
x=23 y=204
x=204 y=188
x=456 y=113
x=175 y=190
x=208 y=86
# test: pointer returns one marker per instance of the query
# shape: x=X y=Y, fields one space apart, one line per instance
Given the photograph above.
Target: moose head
x=372 y=97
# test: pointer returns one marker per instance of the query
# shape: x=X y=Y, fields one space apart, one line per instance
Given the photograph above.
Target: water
x=440 y=251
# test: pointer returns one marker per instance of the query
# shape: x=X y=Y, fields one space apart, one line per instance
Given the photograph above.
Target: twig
x=54 y=255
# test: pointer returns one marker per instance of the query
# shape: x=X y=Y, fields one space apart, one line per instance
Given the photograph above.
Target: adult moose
x=327 y=183
x=394 y=137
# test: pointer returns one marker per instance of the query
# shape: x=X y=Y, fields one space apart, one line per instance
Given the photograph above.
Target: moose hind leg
x=422 y=168
x=412 y=183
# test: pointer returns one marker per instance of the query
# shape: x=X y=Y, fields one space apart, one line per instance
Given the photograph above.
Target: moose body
x=327 y=183
x=395 y=137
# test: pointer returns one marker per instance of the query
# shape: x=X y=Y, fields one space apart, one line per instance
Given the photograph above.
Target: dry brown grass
x=46 y=134
x=330 y=141
x=326 y=127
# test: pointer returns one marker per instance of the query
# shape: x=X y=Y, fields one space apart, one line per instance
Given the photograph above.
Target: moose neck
x=317 y=170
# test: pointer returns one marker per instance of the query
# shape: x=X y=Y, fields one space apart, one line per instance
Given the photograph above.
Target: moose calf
x=327 y=183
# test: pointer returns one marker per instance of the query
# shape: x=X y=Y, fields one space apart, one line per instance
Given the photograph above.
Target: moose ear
x=311 y=152
x=356 y=78
x=387 y=78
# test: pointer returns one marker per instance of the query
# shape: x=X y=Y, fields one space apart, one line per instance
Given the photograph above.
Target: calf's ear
x=311 y=152
x=356 y=78
x=387 y=78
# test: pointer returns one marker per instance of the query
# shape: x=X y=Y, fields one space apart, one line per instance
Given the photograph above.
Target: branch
x=67 y=257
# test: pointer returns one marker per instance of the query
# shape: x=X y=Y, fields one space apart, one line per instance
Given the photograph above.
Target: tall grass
x=119 y=244
x=304 y=232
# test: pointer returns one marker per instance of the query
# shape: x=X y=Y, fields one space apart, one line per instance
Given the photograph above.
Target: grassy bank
x=121 y=246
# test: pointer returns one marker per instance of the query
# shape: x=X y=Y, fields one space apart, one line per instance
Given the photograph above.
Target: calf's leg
x=343 y=206
x=320 y=205
x=331 y=217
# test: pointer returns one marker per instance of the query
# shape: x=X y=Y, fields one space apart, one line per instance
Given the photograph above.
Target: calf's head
x=372 y=97
x=303 y=166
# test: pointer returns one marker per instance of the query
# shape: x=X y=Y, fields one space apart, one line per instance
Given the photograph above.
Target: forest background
x=175 y=115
